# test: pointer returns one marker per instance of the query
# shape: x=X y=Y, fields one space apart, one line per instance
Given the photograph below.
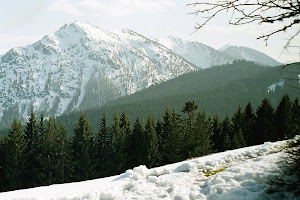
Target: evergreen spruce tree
x=63 y=163
x=45 y=153
x=189 y=109
x=150 y=143
x=295 y=118
x=137 y=138
x=201 y=136
x=32 y=165
x=83 y=150
x=167 y=129
x=104 y=149
x=3 y=180
x=264 y=123
x=241 y=138
x=14 y=153
x=175 y=149
x=225 y=135
x=217 y=131
x=40 y=153
x=237 y=120
x=227 y=143
x=119 y=146
x=129 y=146
x=235 y=144
x=283 y=119
x=159 y=133
x=238 y=139
x=248 y=124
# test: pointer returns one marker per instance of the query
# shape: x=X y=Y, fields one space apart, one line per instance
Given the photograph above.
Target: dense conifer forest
x=45 y=153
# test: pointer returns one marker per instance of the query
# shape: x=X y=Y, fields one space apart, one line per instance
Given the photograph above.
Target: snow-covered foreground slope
x=237 y=174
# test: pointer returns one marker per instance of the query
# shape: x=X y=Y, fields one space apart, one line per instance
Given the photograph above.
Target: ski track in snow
x=236 y=174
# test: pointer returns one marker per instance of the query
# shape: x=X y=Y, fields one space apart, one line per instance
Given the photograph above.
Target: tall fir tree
x=83 y=150
x=295 y=118
x=129 y=146
x=235 y=144
x=137 y=136
x=189 y=110
x=201 y=136
x=237 y=135
x=283 y=119
x=159 y=133
x=150 y=143
x=175 y=148
x=248 y=122
x=3 y=180
x=217 y=131
x=264 y=123
x=46 y=153
x=104 y=148
x=40 y=152
x=167 y=129
x=227 y=143
x=237 y=120
x=119 y=146
x=225 y=138
x=32 y=165
x=14 y=153
x=241 y=138
x=64 y=165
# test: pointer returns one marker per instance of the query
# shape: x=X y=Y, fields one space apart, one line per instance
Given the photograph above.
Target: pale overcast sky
x=26 y=21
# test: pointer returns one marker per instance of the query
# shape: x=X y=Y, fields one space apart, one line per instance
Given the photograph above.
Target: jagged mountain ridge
x=199 y=54
x=82 y=66
x=248 y=54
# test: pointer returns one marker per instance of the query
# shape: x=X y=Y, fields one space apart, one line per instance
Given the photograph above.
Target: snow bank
x=236 y=174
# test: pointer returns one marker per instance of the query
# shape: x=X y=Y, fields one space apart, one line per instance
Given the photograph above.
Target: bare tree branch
x=284 y=12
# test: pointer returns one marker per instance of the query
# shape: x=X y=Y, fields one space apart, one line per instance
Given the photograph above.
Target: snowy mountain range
x=199 y=54
x=82 y=66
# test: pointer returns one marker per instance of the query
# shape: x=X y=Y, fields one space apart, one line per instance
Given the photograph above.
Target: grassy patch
x=210 y=173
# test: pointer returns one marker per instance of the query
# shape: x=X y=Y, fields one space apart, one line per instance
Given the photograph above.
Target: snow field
x=236 y=174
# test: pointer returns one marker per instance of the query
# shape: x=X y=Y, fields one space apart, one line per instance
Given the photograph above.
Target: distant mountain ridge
x=248 y=54
x=81 y=66
x=199 y=54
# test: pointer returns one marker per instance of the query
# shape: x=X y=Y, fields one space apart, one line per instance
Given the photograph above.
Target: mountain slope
x=245 y=53
x=217 y=90
x=236 y=174
x=199 y=54
x=81 y=66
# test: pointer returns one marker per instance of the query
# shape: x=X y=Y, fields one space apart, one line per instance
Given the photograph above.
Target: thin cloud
x=111 y=7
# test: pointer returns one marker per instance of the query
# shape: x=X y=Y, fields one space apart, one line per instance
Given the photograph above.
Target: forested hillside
x=44 y=154
x=218 y=90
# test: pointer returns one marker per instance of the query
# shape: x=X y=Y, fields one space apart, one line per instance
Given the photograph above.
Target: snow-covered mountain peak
x=82 y=66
